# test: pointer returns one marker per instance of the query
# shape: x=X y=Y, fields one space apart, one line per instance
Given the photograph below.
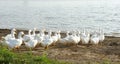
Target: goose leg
x=31 y=49
x=27 y=48
x=97 y=45
x=34 y=48
x=37 y=45
x=40 y=44
x=17 y=47
x=53 y=44
x=76 y=44
x=101 y=42
x=46 y=47
x=13 y=49
x=66 y=44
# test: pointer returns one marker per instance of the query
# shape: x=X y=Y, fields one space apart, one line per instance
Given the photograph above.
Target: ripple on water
x=63 y=15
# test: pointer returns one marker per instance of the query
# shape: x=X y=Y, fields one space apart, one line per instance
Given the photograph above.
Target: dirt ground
x=106 y=52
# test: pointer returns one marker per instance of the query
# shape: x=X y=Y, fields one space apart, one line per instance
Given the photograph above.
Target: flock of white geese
x=32 y=39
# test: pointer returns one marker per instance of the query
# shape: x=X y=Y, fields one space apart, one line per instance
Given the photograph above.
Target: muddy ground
x=106 y=52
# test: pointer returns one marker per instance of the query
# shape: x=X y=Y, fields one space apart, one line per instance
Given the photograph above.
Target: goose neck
x=13 y=34
x=29 y=32
x=42 y=32
x=33 y=32
x=19 y=36
x=67 y=34
x=49 y=33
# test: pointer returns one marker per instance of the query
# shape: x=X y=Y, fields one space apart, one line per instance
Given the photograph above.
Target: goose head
x=67 y=33
x=13 y=30
x=58 y=31
x=43 y=30
x=13 y=34
x=20 y=35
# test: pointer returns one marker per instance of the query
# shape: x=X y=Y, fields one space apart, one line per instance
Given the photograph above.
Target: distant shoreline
x=5 y=31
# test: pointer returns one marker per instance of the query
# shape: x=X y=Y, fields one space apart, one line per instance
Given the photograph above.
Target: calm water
x=63 y=15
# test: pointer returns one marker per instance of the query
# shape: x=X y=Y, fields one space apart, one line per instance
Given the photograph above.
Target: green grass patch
x=8 y=57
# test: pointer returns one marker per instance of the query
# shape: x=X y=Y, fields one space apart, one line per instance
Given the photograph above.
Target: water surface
x=60 y=14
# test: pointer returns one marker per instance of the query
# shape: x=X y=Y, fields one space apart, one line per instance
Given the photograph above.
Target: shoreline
x=108 y=50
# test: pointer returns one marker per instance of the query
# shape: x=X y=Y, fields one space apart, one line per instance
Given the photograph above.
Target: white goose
x=94 y=39
x=42 y=33
x=40 y=36
x=85 y=37
x=59 y=36
x=33 y=33
x=27 y=37
x=32 y=41
x=12 y=35
x=55 y=38
x=47 y=40
x=13 y=42
x=65 y=40
x=78 y=36
x=73 y=39
x=101 y=36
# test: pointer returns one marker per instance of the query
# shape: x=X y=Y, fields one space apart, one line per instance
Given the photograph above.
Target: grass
x=8 y=57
